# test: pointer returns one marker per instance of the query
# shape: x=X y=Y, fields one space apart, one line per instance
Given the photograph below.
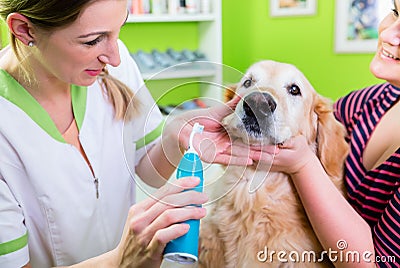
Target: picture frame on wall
x=282 y=8
x=356 y=24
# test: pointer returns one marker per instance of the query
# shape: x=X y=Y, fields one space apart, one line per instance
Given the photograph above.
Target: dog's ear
x=332 y=148
x=230 y=92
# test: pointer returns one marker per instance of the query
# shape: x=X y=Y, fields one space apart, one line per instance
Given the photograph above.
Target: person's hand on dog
x=289 y=157
x=152 y=223
x=214 y=145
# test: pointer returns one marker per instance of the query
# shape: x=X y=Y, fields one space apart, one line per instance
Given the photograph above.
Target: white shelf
x=209 y=43
x=147 y=18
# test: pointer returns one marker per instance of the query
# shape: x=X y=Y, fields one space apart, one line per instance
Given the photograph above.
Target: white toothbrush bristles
x=197 y=128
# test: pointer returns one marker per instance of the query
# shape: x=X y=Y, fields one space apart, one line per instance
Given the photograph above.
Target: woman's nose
x=391 y=34
x=111 y=55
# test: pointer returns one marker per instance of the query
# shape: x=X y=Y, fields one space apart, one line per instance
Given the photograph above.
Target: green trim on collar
x=79 y=95
x=14 y=245
x=11 y=90
x=154 y=134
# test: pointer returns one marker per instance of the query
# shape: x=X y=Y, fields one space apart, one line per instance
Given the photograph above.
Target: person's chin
x=86 y=82
x=378 y=68
x=384 y=72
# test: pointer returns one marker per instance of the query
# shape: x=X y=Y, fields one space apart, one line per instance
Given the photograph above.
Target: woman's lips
x=93 y=72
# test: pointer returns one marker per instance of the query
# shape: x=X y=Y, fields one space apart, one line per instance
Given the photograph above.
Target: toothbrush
x=197 y=129
x=184 y=249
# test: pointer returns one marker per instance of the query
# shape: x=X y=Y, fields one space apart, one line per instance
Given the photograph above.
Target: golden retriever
x=257 y=215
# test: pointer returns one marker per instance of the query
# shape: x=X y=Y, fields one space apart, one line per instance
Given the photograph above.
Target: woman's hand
x=152 y=223
x=289 y=157
x=214 y=144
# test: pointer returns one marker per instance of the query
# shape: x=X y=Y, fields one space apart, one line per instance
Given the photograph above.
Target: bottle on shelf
x=192 y=6
x=173 y=7
x=169 y=7
x=205 y=7
x=182 y=7
x=136 y=7
x=146 y=6
x=158 y=7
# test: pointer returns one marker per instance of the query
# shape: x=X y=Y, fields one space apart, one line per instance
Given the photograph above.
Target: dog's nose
x=259 y=104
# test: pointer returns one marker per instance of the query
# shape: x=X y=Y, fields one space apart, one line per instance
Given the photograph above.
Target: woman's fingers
x=168 y=189
x=165 y=208
x=168 y=218
x=227 y=159
x=220 y=111
x=290 y=143
x=264 y=154
x=154 y=222
x=142 y=220
x=234 y=101
x=162 y=237
x=269 y=148
x=136 y=252
x=238 y=153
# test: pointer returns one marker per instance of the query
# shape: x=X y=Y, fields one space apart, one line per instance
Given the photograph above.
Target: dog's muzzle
x=258 y=108
x=259 y=104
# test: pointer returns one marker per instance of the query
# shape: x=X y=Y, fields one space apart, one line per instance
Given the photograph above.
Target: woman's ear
x=21 y=27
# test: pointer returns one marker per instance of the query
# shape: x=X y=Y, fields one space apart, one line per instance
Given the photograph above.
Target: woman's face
x=386 y=62
x=77 y=53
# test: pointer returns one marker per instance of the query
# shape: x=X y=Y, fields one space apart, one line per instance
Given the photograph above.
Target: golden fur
x=241 y=223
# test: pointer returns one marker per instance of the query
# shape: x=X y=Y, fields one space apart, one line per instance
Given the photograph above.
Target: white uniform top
x=49 y=213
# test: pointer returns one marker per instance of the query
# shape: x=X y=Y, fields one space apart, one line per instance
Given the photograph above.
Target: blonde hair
x=48 y=15
x=119 y=95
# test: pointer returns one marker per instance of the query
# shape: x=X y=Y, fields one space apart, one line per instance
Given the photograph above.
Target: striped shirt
x=375 y=194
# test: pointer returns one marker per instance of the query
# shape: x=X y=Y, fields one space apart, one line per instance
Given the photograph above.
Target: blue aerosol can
x=184 y=249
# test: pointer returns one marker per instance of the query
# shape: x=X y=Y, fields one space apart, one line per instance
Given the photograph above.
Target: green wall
x=146 y=36
x=250 y=34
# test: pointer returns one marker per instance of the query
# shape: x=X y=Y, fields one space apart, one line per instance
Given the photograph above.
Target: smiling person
x=67 y=191
x=369 y=220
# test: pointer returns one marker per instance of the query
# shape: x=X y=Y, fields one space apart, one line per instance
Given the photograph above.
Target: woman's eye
x=294 y=90
x=247 y=83
x=395 y=12
x=93 y=42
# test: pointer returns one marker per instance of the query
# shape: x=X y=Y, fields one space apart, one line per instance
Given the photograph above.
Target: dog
x=254 y=210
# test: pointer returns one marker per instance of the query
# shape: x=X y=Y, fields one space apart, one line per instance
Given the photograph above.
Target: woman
x=66 y=192
x=369 y=221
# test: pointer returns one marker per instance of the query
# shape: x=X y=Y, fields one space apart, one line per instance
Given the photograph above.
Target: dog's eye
x=294 y=90
x=247 y=83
